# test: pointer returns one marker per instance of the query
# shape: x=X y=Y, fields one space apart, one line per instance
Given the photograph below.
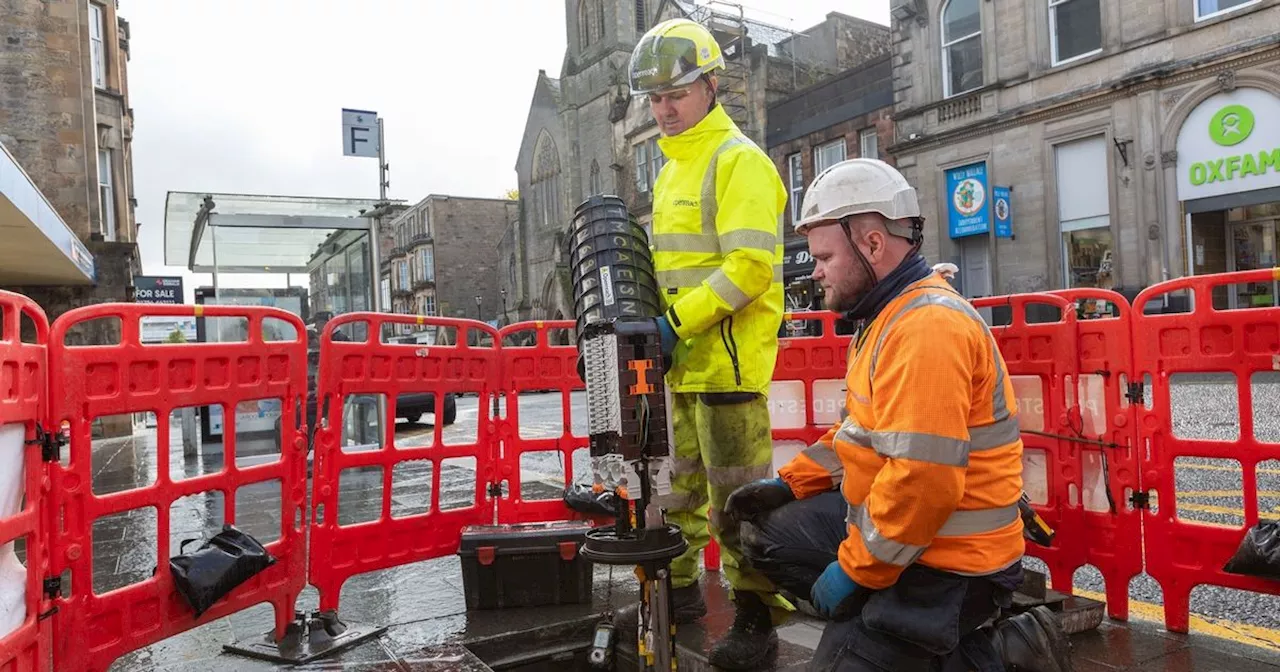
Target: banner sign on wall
x=968 y=200
x=1002 y=209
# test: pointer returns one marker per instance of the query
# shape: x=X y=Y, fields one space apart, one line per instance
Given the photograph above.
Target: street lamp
x=479 y=299
x=503 y=291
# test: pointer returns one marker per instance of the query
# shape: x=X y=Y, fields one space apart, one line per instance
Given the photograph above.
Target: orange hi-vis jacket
x=929 y=456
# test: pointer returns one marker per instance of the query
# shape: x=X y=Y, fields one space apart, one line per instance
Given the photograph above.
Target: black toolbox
x=526 y=565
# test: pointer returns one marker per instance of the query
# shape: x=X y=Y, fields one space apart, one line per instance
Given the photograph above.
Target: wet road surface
x=424 y=601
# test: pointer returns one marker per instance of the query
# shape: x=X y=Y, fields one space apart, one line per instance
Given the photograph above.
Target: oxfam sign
x=1223 y=149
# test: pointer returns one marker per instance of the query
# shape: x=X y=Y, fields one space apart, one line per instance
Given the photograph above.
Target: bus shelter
x=312 y=256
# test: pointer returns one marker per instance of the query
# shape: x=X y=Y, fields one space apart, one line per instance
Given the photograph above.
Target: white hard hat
x=856 y=186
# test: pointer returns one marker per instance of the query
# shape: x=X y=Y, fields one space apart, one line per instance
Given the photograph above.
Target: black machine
x=621 y=361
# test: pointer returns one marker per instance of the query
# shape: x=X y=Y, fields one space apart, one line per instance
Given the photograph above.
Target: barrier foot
x=308 y=638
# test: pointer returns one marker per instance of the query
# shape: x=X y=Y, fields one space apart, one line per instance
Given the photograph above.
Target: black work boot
x=751 y=640
x=687 y=603
x=1032 y=641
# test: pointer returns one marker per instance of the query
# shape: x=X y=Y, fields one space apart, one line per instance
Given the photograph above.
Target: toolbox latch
x=485 y=555
x=568 y=550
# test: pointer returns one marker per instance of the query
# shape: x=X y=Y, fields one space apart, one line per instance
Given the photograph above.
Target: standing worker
x=902 y=524
x=717 y=251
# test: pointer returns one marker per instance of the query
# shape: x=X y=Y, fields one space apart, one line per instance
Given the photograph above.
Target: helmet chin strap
x=866 y=265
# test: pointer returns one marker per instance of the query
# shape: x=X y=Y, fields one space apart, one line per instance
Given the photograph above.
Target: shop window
x=961 y=46
x=1084 y=213
x=1075 y=29
x=1207 y=9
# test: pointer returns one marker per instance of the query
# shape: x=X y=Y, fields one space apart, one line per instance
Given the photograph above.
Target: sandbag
x=223 y=562
x=1259 y=552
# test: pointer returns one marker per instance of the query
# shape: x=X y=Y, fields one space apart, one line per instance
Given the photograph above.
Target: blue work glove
x=669 y=338
x=756 y=498
x=831 y=590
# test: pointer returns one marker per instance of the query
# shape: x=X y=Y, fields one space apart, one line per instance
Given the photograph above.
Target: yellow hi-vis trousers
x=720 y=443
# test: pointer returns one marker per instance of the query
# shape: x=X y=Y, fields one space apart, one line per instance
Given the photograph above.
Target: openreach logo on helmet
x=1230 y=126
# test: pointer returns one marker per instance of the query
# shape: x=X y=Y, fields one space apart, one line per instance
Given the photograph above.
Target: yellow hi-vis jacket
x=929 y=458
x=717 y=252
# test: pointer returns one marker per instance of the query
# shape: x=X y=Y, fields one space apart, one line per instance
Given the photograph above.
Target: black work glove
x=752 y=500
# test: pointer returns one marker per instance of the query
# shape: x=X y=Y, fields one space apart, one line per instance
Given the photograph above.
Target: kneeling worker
x=901 y=525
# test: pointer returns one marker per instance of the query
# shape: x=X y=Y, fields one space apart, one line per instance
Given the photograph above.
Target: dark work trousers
x=928 y=621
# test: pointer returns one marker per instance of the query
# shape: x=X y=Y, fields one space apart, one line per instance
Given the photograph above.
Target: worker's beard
x=845 y=295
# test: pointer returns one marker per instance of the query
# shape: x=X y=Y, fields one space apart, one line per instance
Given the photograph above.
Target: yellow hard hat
x=673 y=54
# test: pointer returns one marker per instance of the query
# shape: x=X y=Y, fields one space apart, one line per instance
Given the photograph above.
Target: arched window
x=595 y=178
x=545 y=182
x=590 y=22
x=961 y=46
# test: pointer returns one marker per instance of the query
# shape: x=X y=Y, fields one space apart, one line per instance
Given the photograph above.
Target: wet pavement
x=422 y=604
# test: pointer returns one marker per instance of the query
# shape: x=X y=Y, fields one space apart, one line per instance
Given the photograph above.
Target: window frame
x=1054 y=61
x=946 y=53
x=872 y=133
x=98 y=45
x=795 y=165
x=106 y=195
x=641 y=163
x=1094 y=221
x=1195 y=9
x=817 y=152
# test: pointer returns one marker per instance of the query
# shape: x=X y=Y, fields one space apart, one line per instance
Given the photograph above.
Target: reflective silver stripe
x=710 y=208
x=732 y=477
x=1000 y=433
x=683 y=466
x=929 y=448
x=999 y=406
x=959 y=523
x=685 y=277
x=725 y=289
x=748 y=239
x=883 y=548
x=825 y=456
x=686 y=242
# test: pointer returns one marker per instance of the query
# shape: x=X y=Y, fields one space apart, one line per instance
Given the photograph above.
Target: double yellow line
x=1241 y=633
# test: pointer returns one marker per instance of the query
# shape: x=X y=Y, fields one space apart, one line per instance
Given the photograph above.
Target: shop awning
x=39 y=248
x=249 y=233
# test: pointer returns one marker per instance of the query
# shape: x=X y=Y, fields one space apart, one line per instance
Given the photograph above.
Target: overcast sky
x=245 y=96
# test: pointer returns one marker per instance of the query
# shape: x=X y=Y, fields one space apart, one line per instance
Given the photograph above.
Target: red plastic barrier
x=22 y=403
x=86 y=383
x=1181 y=554
x=540 y=367
x=816 y=367
x=1102 y=413
x=1041 y=357
x=361 y=370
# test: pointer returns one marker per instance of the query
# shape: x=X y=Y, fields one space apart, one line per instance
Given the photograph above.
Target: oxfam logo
x=1232 y=125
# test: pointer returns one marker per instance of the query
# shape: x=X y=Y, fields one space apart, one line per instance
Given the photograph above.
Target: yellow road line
x=1241 y=633
x=1222 y=510
x=1225 y=493
x=1215 y=467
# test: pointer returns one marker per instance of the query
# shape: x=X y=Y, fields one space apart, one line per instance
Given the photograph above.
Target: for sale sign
x=157 y=289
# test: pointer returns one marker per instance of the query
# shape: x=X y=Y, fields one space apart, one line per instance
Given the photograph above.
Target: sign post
x=362 y=136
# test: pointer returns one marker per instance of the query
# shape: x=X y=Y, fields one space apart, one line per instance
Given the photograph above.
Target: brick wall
x=466 y=262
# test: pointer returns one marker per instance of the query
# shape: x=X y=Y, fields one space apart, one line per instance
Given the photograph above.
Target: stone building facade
x=585 y=134
x=846 y=116
x=1125 y=133
x=440 y=257
x=65 y=117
